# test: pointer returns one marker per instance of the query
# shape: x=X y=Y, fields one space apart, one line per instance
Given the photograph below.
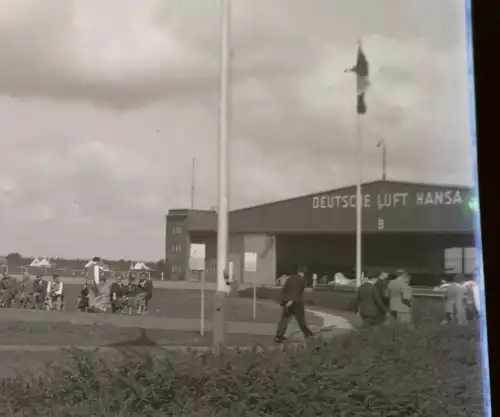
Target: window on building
x=176 y=248
x=175 y=269
x=177 y=230
x=460 y=260
x=470 y=261
x=453 y=260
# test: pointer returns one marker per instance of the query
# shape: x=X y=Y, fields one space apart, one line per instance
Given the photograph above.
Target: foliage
x=388 y=371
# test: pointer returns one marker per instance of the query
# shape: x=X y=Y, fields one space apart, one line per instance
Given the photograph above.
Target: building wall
x=177 y=247
x=265 y=248
x=388 y=207
x=261 y=244
x=235 y=255
x=337 y=253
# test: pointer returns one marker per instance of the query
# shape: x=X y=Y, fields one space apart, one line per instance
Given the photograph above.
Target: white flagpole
x=202 y=306
x=223 y=171
x=359 y=197
x=193 y=181
x=219 y=317
x=359 y=201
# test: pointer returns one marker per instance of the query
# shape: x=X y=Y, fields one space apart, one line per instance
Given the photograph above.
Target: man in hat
x=400 y=297
x=292 y=301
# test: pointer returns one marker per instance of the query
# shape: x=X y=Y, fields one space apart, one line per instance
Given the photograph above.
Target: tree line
x=17 y=260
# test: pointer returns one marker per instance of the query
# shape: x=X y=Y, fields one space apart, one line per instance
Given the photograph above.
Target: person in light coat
x=454 y=305
x=55 y=293
x=400 y=298
x=471 y=298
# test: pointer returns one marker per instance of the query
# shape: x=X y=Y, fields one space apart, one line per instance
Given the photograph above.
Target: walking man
x=292 y=302
x=400 y=297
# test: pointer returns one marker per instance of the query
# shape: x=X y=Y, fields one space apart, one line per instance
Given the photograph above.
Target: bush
x=388 y=371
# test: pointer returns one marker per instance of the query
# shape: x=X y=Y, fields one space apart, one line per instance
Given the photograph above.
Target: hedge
x=388 y=371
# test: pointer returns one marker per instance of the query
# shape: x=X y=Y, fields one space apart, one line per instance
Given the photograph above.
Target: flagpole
x=359 y=202
x=219 y=319
x=193 y=182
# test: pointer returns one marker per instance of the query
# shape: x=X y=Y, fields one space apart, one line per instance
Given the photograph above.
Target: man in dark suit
x=371 y=308
x=292 y=301
x=39 y=292
x=381 y=287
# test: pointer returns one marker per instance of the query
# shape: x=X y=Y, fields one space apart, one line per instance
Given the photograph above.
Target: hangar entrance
x=423 y=255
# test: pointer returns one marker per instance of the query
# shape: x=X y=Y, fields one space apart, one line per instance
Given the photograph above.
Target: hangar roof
x=390 y=206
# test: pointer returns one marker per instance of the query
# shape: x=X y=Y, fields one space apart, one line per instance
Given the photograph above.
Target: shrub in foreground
x=390 y=371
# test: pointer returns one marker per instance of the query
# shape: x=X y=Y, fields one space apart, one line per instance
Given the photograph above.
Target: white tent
x=140 y=266
x=44 y=263
x=35 y=263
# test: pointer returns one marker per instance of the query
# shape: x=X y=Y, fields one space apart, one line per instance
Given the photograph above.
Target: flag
x=362 y=80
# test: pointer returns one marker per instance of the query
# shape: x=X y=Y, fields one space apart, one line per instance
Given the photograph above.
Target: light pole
x=219 y=320
x=381 y=144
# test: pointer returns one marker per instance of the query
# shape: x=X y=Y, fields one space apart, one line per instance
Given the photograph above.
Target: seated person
x=55 y=294
x=132 y=292
x=25 y=291
x=39 y=293
x=116 y=295
x=5 y=292
x=84 y=298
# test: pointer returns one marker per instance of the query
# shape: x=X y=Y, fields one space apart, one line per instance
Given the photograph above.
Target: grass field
x=34 y=331
x=31 y=347
x=186 y=304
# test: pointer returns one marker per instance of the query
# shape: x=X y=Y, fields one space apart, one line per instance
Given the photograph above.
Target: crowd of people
x=130 y=295
x=380 y=299
x=123 y=295
x=28 y=293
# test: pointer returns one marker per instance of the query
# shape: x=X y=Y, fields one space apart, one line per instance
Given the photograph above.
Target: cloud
x=105 y=104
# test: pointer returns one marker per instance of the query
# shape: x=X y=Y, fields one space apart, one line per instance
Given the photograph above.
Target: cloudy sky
x=103 y=105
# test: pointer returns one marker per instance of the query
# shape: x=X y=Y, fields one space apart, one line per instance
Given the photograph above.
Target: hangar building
x=419 y=227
